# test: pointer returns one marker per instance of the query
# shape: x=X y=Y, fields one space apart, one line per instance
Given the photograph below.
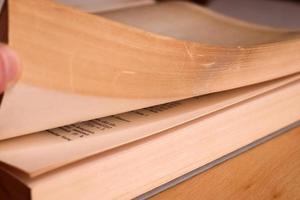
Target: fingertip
x=10 y=67
x=2 y=77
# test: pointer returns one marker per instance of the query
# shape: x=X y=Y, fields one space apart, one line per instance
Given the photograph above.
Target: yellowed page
x=138 y=168
x=70 y=143
x=28 y=109
x=74 y=59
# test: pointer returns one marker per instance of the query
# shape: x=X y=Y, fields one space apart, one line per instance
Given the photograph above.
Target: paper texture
x=71 y=143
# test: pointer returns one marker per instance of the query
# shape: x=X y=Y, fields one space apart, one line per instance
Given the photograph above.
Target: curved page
x=80 y=66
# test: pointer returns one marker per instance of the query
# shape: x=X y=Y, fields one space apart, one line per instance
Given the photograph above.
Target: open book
x=117 y=103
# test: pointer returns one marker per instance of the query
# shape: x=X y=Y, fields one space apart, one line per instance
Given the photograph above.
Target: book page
x=127 y=172
x=27 y=109
x=104 y=5
x=83 y=66
x=71 y=143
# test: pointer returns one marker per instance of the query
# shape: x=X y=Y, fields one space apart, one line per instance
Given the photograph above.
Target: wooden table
x=269 y=171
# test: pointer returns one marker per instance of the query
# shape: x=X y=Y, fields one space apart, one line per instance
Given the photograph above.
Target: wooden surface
x=269 y=171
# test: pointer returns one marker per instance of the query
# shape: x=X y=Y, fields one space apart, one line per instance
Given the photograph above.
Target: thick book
x=115 y=102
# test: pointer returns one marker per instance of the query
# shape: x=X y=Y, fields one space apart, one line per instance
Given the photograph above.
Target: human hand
x=9 y=67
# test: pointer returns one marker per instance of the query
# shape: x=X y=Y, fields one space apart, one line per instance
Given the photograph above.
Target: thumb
x=9 y=67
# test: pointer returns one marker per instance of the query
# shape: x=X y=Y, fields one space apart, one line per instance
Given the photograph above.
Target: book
x=109 y=65
x=114 y=104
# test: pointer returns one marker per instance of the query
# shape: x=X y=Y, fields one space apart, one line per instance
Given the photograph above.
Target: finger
x=9 y=67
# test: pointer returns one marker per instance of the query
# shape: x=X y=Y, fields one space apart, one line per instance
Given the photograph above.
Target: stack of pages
x=115 y=104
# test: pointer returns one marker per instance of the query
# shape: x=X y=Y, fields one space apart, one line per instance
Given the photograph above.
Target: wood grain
x=269 y=171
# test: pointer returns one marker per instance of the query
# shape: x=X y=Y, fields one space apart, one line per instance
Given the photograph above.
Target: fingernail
x=11 y=65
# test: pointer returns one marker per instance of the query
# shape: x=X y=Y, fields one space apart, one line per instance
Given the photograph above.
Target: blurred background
x=276 y=13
